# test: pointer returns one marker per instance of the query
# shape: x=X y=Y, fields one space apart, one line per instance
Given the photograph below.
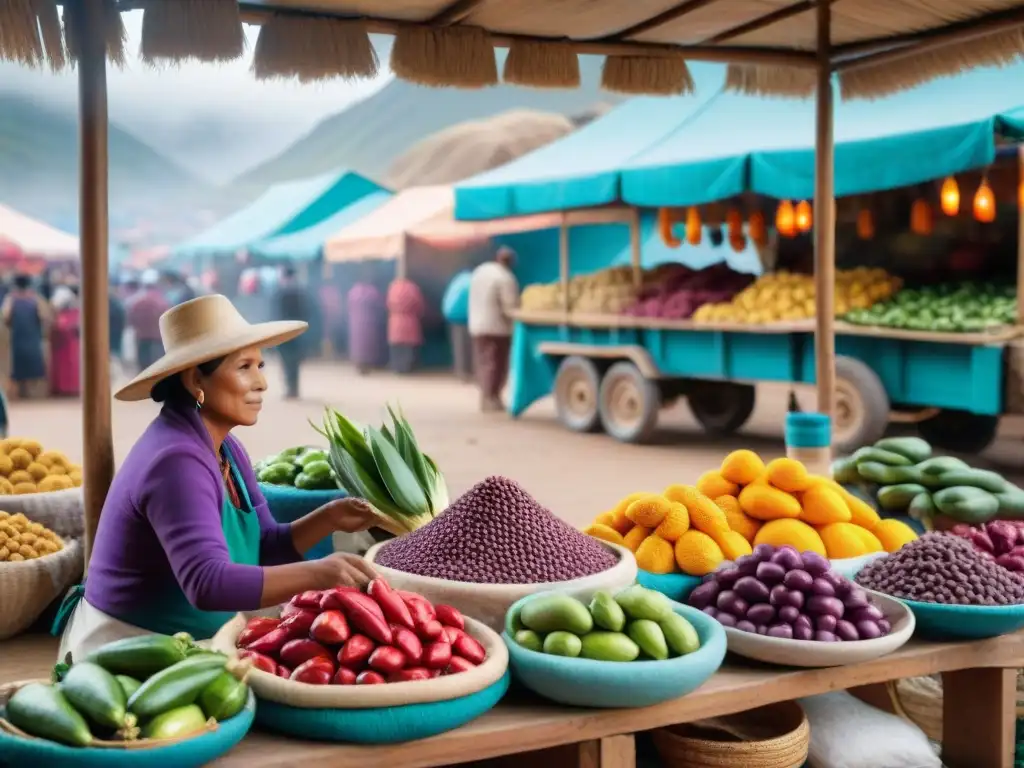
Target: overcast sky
x=193 y=109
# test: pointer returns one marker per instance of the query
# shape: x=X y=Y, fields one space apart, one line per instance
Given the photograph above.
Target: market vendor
x=186 y=539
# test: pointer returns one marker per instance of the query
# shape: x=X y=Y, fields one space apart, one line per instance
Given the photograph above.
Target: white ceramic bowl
x=489 y=602
x=848 y=567
x=811 y=653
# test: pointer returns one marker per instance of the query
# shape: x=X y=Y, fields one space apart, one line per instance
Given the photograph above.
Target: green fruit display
x=634 y=624
x=959 y=307
x=304 y=468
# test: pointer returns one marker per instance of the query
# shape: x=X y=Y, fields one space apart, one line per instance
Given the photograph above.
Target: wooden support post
x=979 y=716
x=1020 y=234
x=825 y=222
x=634 y=243
x=98 y=448
x=609 y=752
x=563 y=260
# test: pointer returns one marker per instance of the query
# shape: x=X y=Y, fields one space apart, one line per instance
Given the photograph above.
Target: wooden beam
x=762 y=21
x=98 y=442
x=456 y=12
x=663 y=18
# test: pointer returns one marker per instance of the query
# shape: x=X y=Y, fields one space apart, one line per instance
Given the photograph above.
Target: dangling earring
x=200 y=399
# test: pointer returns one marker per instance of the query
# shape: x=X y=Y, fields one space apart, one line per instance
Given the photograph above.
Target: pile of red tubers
x=1001 y=540
x=343 y=636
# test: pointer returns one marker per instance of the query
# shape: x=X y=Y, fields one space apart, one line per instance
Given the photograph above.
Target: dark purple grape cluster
x=782 y=593
x=496 y=533
x=943 y=568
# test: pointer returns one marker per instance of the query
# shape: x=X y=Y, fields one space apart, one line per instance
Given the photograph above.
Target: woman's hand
x=345 y=570
x=350 y=515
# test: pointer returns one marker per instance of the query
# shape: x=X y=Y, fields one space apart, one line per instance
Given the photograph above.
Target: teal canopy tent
x=282 y=210
x=308 y=244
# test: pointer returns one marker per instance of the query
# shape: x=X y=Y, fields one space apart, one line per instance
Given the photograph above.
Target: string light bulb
x=949 y=197
x=984 y=203
x=785 y=219
x=804 y=216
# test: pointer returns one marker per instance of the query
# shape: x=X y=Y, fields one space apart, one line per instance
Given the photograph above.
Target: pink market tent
x=34 y=240
x=427 y=213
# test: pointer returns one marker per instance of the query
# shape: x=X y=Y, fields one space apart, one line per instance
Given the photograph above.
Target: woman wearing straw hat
x=186 y=539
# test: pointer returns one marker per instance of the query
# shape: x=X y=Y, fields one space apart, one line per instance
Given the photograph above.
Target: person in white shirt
x=493 y=296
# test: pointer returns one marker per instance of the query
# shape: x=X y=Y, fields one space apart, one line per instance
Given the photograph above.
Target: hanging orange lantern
x=865 y=224
x=666 y=220
x=950 y=197
x=921 y=217
x=804 y=216
x=734 y=223
x=785 y=219
x=693 y=226
x=738 y=243
x=985 y=203
x=758 y=229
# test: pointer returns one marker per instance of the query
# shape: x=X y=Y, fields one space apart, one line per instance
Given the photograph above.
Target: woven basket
x=28 y=587
x=919 y=700
x=63 y=512
x=773 y=736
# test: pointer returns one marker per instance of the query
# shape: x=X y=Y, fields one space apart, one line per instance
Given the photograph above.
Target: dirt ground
x=576 y=476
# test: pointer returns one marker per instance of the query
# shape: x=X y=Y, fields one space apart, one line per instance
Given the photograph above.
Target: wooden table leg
x=979 y=718
x=609 y=752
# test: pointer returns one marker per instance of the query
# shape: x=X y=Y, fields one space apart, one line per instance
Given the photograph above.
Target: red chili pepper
x=431 y=630
x=407 y=642
x=436 y=673
x=255 y=629
x=451 y=634
x=365 y=615
x=259 y=661
x=310 y=600
x=369 y=677
x=468 y=648
x=283 y=671
x=408 y=675
x=271 y=642
x=392 y=606
x=330 y=628
x=313 y=672
x=356 y=651
x=459 y=664
x=387 y=659
x=418 y=605
x=298 y=624
x=296 y=652
x=329 y=600
x=344 y=676
x=437 y=655
x=450 y=616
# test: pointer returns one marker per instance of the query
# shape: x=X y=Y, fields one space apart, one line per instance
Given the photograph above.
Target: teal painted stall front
x=914 y=373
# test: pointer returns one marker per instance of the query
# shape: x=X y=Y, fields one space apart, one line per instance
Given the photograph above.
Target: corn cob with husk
x=386 y=468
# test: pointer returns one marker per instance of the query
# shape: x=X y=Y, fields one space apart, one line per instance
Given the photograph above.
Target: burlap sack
x=305 y=696
x=63 y=512
x=490 y=602
x=26 y=588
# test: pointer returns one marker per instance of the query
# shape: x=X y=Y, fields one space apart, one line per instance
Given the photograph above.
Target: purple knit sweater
x=161 y=525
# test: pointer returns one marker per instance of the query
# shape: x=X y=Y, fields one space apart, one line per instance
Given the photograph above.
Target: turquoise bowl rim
x=228 y=735
x=716 y=643
x=931 y=619
x=686 y=583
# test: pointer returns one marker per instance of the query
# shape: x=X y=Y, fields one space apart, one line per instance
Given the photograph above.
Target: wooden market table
x=979 y=680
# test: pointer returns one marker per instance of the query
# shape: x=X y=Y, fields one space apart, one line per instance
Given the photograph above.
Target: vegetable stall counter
x=979 y=679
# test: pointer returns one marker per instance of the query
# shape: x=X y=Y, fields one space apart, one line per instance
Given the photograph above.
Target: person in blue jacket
x=455 y=308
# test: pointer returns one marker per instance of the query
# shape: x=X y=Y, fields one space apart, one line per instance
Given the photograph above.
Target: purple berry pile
x=496 y=533
x=782 y=593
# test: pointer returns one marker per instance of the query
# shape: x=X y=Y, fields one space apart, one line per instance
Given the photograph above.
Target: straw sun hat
x=204 y=329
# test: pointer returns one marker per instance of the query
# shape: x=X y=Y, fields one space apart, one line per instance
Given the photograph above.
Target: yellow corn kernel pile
x=21 y=539
x=26 y=468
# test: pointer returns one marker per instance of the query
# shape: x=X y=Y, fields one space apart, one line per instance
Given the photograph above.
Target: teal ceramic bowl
x=614 y=684
x=191 y=753
x=936 y=621
x=674 y=586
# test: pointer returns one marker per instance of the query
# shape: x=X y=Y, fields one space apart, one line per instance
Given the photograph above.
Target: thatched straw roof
x=475 y=146
x=877 y=46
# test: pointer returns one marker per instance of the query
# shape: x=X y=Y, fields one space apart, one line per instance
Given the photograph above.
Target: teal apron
x=170 y=611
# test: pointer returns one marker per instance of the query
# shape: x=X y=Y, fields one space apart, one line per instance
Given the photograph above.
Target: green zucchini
x=967 y=504
x=941 y=464
x=128 y=684
x=175 y=723
x=914 y=448
x=139 y=656
x=176 y=686
x=224 y=697
x=989 y=481
x=870 y=453
x=43 y=711
x=922 y=507
x=844 y=470
x=95 y=693
x=896 y=498
x=1011 y=503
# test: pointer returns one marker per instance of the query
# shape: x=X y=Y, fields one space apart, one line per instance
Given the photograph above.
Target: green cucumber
x=176 y=686
x=914 y=448
x=224 y=697
x=883 y=474
x=95 y=693
x=43 y=711
x=967 y=504
x=870 y=453
x=941 y=464
x=989 y=481
x=922 y=507
x=175 y=723
x=128 y=684
x=844 y=470
x=896 y=498
x=1011 y=503
x=139 y=656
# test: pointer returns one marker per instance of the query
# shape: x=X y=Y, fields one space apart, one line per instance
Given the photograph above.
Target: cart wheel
x=721 y=407
x=576 y=389
x=959 y=431
x=862 y=406
x=628 y=403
